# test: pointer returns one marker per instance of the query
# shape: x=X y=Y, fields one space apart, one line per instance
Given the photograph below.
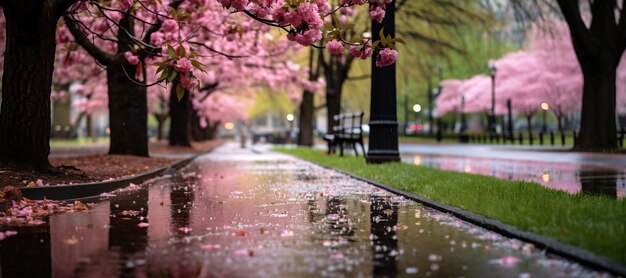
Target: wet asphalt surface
x=237 y=213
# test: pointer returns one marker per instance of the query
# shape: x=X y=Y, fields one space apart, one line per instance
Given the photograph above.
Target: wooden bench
x=347 y=132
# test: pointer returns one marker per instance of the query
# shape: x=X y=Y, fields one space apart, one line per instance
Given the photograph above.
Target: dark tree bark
x=128 y=112
x=305 y=124
x=199 y=133
x=529 y=120
x=305 y=121
x=26 y=84
x=128 y=109
x=599 y=49
x=180 y=113
x=160 y=118
x=336 y=75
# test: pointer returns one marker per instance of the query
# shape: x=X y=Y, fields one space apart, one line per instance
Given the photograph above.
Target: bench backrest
x=348 y=123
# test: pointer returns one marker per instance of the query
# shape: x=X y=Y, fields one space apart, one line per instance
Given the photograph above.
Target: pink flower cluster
x=125 y=4
x=183 y=65
x=187 y=82
x=334 y=47
x=131 y=58
x=377 y=9
x=6 y=234
x=305 y=20
x=386 y=57
x=239 y=5
x=362 y=52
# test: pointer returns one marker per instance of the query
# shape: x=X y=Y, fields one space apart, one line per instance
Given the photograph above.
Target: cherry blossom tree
x=598 y=34
x=122 y=36
x=29 y=49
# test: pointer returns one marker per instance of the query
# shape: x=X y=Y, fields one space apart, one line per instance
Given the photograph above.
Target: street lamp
x=417 y=108
x=545 y=107
x=383 y=138
x=290 y=118
x=492 y=116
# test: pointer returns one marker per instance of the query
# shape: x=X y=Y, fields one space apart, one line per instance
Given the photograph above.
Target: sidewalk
x=524 y=153
x=254 y=213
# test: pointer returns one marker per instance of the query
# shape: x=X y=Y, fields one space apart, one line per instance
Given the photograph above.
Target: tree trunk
x=212 y=130
x=305 y=125
x=598 y=125
x=336 y=74
x=197 y=132
x=160 y=124
x=559 y=122
x=128 y=112
x=333 y=103
x=599 y=47
x=26 y=85
x=180 y=112
x=529 y=120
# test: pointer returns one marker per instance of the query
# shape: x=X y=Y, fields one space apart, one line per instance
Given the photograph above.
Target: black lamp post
x=492 y=116
x=432 y=93
x=383 y=142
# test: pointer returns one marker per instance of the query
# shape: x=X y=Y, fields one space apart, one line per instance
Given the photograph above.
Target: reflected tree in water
x=125 y=236
x=384 y=218
x=27 y=254
x=602 y=182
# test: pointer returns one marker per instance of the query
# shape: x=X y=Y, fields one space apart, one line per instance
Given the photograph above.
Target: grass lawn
x=81 y=141
x=595 y=223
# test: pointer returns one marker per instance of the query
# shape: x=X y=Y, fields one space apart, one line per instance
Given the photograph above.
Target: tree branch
x=60 y=6
x=82 y=39
x=155 y=27
x=571 y=13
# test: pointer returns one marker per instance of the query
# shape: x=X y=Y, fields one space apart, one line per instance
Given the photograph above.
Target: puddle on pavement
x=572 y=178
x=267 y=219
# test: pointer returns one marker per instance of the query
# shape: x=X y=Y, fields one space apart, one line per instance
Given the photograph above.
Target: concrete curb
x=577 y=254
x=94 y=189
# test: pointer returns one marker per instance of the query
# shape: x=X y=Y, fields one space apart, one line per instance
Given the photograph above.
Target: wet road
x=589 y=173
x=236 y=213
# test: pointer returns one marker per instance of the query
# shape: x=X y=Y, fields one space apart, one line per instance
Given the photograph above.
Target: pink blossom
x=125 y=4
x=377 y=14
x=143 y=225
x=185 y=230
x=386 y=57
x=334 y=47
x=157 y=38
x=244 y=252
x=10 y=233
x=106 y=195
x=239 y=5
x=39 y=182
x=169 y=26
x=361 y=52
x=210 y=246
x=508 y=261
x=131 y=58
x=186 y=82
x=183 y=65
x=287 y=233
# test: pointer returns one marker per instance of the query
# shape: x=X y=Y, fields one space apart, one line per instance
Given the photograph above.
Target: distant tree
x=598 y=33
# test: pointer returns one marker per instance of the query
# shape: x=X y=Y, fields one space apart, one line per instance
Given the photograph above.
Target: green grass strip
x=594 y=223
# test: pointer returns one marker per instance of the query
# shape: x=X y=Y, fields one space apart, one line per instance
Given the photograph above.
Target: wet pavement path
x=237 y=213
x=589 y=173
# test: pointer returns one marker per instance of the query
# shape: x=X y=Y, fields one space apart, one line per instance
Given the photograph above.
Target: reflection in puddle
x=572 y=178
x=267 y=219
